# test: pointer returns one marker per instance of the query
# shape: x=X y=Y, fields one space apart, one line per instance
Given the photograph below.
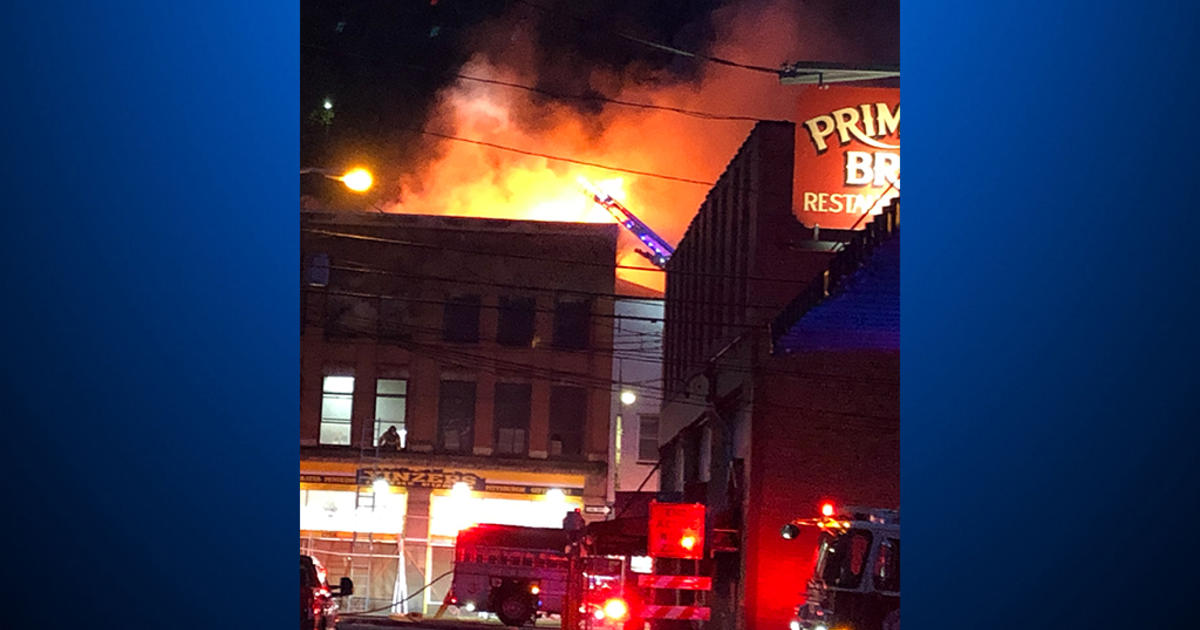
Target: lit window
x=337 y=399
x=391 y=395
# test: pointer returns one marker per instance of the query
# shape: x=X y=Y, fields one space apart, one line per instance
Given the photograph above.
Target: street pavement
x=377 y=622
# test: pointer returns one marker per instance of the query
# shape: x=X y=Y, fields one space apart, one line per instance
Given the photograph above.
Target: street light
x=356 y=179
x=628 y=397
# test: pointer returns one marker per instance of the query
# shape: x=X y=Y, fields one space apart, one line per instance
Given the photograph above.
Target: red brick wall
x=802 y=455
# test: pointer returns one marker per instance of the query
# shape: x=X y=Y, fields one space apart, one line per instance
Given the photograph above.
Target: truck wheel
x=514 y=608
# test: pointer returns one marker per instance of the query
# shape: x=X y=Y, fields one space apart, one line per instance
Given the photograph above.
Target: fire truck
x=856 y=581
x=519 y=573
x=514 y=572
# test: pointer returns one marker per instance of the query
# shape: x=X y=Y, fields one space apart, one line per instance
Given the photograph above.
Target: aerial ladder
x=659 y=249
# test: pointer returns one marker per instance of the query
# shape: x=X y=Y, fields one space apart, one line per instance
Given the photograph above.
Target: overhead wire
x=549 y=93
x=517 y=256
x=656 y=45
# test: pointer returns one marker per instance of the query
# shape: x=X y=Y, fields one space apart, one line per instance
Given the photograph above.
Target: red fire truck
x=514 y=572
x=519 y=573
x=856 y=582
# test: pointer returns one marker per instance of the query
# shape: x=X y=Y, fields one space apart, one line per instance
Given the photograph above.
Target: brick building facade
x=485 y=345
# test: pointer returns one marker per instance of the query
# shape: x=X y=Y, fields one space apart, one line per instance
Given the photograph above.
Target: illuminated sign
x=437 y=479
x=676 y=530
x=847 y=163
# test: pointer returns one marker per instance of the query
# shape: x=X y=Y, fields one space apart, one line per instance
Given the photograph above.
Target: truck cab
x=856 y=581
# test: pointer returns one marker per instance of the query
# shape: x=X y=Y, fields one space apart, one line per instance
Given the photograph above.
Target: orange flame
x=465 y=179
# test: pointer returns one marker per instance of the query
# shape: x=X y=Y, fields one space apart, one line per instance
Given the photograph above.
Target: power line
x=549 y=93
x=516 y=256
x=651 y=357
x=481 y=363
x=613 y=316
x=657 y=46
x=559 y=158
x=367 y=269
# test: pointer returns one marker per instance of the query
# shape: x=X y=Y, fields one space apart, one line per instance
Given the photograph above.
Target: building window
x=706 y=454
x=461 y=320
x=571 y=323
x=648 y=438
x=337 y=400
x=456 y=416
x=515 y=326
x=568 y=417
x=391 y=396
x=511 y=418
x=395 y=319
x=318 y=270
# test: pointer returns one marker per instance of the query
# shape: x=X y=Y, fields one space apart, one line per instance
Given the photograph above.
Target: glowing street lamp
x=628 y=397
x=356 y=179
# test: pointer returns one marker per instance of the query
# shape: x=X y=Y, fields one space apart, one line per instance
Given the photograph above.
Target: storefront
x=392 y=529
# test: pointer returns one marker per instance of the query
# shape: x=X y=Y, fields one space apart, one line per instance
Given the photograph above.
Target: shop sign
x=333 y=479
x=434 y=478
x=847 y=161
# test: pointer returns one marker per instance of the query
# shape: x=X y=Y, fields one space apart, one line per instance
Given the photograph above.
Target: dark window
x=456 y=416
x=318 y=270
x=515 y=327
x=571 y=323
x=461 y=323
x=511 y=418
x=841 y=560
x=887 y=566
x=395 y=319
x=568 y=417
x=648 y=438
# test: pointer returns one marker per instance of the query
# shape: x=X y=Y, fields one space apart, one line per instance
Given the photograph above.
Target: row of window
x=515 y=321
x=456 y=416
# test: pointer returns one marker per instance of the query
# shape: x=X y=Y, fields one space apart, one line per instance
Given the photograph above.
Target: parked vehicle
x=318 y=602
x=856 y=581
x=514 y=572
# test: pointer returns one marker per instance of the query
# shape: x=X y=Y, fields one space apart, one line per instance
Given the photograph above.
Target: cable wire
x=655 y=45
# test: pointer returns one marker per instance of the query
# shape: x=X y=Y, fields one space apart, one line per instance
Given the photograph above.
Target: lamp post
x=356 y=179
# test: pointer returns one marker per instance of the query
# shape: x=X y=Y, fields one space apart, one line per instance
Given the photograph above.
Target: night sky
x=382 y=62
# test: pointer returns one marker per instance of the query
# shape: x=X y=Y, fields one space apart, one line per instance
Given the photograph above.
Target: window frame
x=642 y=419
x=328 y=394
x=379 y=422
x=506 y=423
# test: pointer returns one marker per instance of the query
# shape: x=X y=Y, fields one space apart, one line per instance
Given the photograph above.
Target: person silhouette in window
x=390 y=439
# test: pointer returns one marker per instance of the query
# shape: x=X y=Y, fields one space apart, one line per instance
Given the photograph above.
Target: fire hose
x=398 y=602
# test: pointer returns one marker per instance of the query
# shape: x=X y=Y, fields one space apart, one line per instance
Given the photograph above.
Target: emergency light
x=615 y=608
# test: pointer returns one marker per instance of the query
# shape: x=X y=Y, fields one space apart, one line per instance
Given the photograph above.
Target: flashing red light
x=827 y=509
x=615 y=609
